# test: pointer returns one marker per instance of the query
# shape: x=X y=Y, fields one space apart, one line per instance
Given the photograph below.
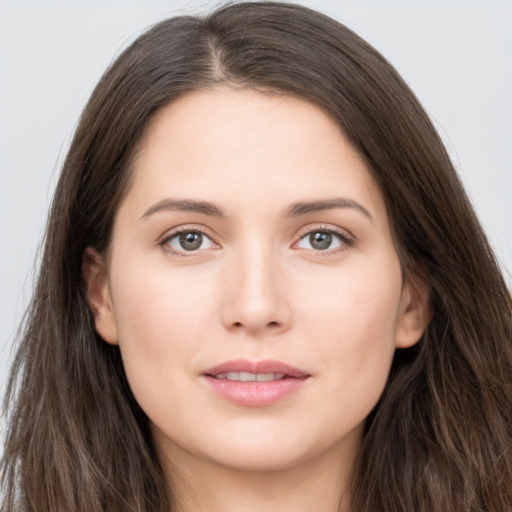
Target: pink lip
x=266 y=366
x=255 y=394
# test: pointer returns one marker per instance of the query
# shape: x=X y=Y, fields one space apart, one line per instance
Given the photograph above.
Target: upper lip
x=265 y=366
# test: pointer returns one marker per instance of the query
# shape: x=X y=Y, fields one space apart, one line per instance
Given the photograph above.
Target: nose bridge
x=256 y=296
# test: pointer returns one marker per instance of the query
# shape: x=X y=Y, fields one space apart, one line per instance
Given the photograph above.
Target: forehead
x=237 y=146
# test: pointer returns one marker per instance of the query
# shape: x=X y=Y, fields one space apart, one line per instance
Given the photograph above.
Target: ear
x=415 y=313
x=95 y=279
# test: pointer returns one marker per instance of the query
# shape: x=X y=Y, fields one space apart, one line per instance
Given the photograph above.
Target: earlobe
x=415 y=314
x=95 y=279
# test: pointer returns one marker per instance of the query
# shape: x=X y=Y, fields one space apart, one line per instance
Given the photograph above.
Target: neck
x=320 y=483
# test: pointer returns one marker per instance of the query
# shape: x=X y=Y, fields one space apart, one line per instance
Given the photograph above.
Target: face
x=253 y=285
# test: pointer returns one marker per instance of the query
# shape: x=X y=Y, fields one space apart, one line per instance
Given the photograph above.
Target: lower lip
x=254 y=394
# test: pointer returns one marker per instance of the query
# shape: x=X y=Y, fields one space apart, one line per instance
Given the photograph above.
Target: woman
x=263 y=286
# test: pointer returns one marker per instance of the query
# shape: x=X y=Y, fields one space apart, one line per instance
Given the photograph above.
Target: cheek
x=160 y=320
x=353 y=319
x=359 y=305
x=152 y=302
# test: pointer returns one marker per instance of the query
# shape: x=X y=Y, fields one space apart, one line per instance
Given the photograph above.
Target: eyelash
x=345 y=239
x=164 y=243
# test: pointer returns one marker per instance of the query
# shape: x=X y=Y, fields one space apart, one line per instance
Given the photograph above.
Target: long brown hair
x=441 y=436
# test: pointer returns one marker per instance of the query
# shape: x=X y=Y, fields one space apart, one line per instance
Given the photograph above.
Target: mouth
x=254 y=384
x=250 y=377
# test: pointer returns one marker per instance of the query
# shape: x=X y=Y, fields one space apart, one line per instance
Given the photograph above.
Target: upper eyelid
x=172 y=232
x=344 y=233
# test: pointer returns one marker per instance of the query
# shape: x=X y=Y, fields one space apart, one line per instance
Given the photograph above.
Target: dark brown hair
x=440 y=438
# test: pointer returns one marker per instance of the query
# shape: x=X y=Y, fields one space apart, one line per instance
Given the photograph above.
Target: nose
x=255 y=294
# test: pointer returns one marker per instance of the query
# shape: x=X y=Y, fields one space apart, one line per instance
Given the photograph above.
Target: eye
x=324 y=240
x=189 y=240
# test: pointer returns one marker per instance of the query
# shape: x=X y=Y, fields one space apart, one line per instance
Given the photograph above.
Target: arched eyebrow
x=303 y=208
x=185 y=205
x=295 y=210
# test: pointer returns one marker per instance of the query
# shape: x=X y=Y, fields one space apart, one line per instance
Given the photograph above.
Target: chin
x=258 y=444
x=267 y=451
x=259 y=460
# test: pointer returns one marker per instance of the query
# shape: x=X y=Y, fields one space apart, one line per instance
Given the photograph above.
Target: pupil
x=191 y=241
x=320 y=240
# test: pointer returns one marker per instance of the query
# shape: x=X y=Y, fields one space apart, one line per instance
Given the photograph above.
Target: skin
x=256 y=289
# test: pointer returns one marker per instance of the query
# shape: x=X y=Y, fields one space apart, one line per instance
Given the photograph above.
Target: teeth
x=265 y=377
x=250 y=377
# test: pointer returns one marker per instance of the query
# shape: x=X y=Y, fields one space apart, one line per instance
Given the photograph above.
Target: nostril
x=269 y=324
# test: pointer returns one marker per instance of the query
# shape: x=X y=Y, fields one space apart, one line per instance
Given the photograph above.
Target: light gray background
x=456 y=55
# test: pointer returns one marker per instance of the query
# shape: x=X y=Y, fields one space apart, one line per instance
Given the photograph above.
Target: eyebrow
x=304 y=208
x=295 y=210
x=185 y=205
